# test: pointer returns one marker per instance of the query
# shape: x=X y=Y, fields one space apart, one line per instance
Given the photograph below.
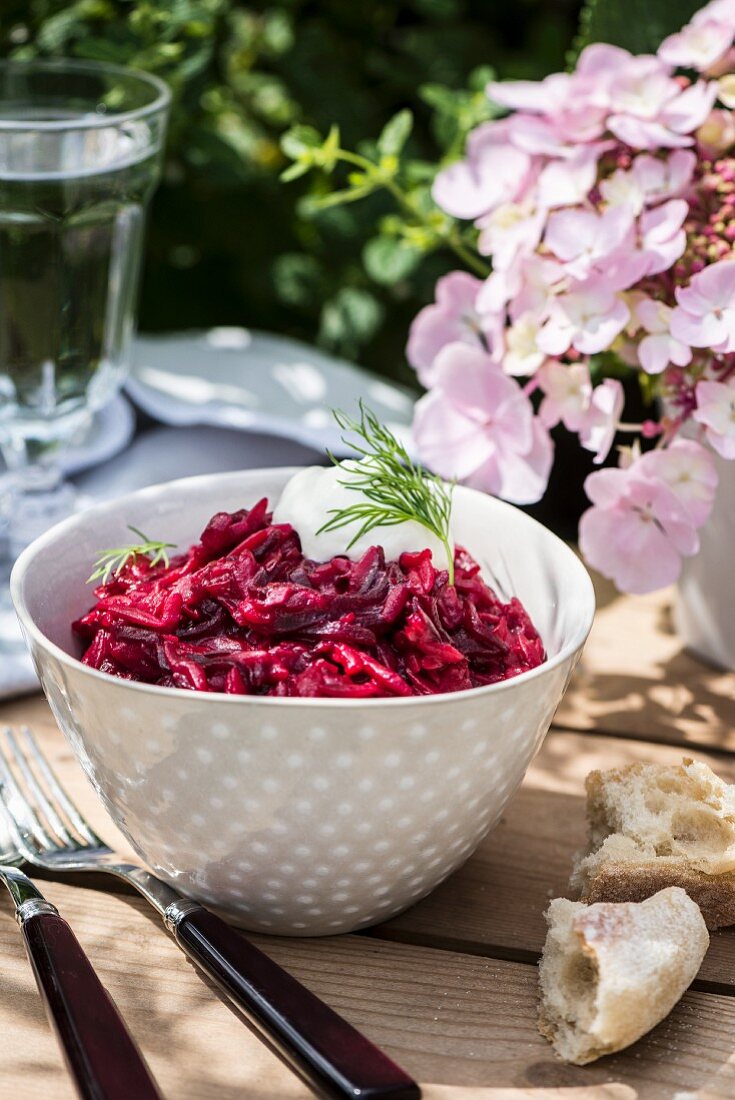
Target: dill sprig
x=111 y=562
x=395 y=488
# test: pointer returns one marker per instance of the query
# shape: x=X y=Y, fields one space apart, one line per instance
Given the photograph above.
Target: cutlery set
x=46 y=830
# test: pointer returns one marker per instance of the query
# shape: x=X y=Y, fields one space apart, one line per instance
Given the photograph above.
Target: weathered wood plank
x=494 y=904
x=450 y=1019
x=636 y=680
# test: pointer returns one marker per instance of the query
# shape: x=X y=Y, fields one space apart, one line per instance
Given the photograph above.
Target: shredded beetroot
x=244 y=612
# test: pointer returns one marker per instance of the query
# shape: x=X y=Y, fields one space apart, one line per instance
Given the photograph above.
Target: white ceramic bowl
x=299 y=817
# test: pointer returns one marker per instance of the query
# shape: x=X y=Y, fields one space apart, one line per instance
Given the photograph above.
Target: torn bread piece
x=655 y=825
x=611 y=971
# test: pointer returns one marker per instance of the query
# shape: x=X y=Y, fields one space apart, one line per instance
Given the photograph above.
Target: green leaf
x=300 y=141
x=298 y=279
x=99 y=49
x=388 y=260
x=350 y=318
x=330 y=149
x=338 y=198
x=480 y=77
x=636 y=25
x=58 y=29
x=298 y=168
x=395 y=134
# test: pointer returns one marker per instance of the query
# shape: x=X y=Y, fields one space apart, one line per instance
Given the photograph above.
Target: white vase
x=705 y=605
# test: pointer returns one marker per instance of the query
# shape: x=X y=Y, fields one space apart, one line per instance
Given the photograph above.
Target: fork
x=328 y=1053
x=101 y=1056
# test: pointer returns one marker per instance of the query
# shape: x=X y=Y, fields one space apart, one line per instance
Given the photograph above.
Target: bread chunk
x=654 y=825
x=611 y=971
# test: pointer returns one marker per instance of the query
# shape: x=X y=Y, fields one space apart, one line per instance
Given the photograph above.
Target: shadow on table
x=678 y=699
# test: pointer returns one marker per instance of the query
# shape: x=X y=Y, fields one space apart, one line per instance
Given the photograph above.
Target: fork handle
x=100 y=1054
x=328 y=1053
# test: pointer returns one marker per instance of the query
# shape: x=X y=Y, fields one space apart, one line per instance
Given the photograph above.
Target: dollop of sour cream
x=306 y=502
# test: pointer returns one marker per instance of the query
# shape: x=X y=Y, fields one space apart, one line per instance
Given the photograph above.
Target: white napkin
x=238 y=378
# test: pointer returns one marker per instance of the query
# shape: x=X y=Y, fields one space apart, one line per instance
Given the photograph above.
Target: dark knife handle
x=328 y=1053
x=101 y=1056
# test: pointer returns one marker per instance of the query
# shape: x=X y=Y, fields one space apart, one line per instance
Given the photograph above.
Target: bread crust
x=715 y=895
x=652 y=826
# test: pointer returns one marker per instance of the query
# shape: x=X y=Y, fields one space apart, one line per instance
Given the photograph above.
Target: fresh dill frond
x=395 y=489
x=111 y=562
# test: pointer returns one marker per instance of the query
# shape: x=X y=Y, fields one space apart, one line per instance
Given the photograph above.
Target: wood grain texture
x=635 y=679
x=450 y=1019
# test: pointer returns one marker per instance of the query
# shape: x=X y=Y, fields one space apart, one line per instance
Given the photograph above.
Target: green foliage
x=637 y=25
x=395 y=134
x=417 y=230
x=228 y=242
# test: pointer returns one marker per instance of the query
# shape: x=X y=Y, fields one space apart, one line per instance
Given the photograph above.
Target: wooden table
x=448 y=988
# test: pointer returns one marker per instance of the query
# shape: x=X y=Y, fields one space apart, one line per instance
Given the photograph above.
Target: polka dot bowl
x=300 y=817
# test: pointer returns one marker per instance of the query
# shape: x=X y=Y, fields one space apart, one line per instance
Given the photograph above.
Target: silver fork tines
x=46 y=821
x=48 y=830
x=58 y=792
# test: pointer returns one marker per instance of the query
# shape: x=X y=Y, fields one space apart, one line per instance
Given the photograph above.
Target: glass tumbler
x=80 y=156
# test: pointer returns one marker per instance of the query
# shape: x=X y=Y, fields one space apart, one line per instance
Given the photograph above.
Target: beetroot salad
x=244 y=612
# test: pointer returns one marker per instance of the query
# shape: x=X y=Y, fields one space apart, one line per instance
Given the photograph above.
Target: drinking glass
x=80 y=155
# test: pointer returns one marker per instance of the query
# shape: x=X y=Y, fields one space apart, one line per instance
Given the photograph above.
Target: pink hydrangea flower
x=637 y=530
x=509 y=231
x=663 y=240
x=698 y=45
x=659 y=347
x=597 y=431
x=664 y=177
x=526 y=284
x=567 y=181
x=538 y=136
x=650 y=109
x=574 y=103
x=585 y=241
x=588 y=318
x=567 y=390
x=493 y=172
x=705 y=314
x=716 y=412
x=587 y=260
x=650 y=180
x=722 y=11
x=452 y=318
x=477 y=425
x=547 y=96
x=522 y=356
x=717 y=133
x=689 y=471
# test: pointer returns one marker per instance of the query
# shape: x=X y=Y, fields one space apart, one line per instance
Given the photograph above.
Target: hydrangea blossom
x=477 y=425
x=645 y=515
x=453 y=317
x=605 y=200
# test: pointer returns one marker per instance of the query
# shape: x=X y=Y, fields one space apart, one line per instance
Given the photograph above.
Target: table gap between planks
x=449 y=987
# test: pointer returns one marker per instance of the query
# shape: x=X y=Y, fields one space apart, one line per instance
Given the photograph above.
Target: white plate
x=238 y=378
